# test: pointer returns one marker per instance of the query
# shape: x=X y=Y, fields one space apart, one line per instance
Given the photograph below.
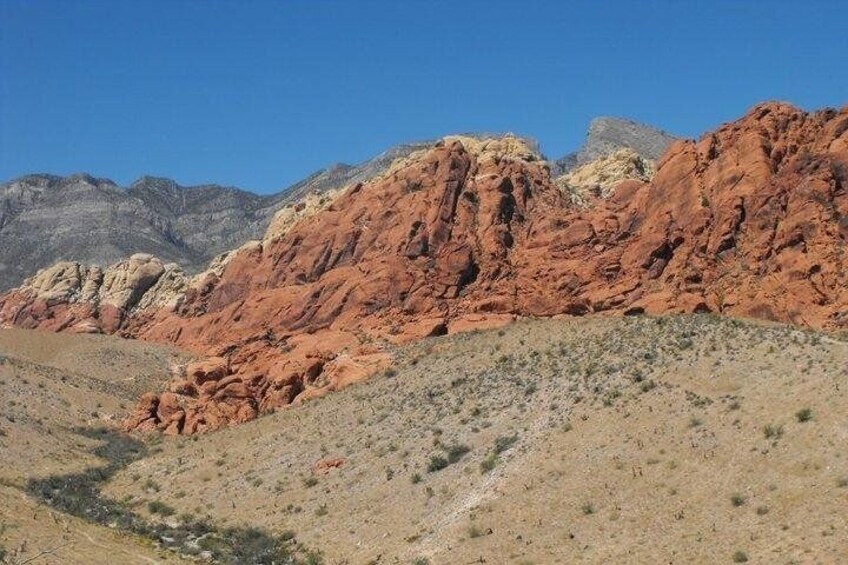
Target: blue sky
x=260 y=94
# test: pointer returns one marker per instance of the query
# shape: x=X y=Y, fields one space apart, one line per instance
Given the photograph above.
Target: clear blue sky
x=259 y=94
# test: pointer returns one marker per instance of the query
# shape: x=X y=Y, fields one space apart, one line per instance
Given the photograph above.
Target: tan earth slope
x=683 y=440
x=51 y=385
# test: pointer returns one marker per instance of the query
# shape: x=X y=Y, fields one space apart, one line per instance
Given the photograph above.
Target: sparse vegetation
x=454 y=404
x=772 y=431
x=160 y=508
x=804 y=415
x=740 y=557
x=79 y=495
x=737 y=500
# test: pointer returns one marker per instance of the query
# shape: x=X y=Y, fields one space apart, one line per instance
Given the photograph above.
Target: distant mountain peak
x=608 y=134
x=153 y=181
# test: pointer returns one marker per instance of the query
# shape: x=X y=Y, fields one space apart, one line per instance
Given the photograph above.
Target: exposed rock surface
x=600 y=177
x=750 y=220
x=607 y=135
x=45 y=219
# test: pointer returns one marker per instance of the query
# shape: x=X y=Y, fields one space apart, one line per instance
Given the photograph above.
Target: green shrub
x=804 y=415
x=740 y=557
x=456 y=452
x=773 y=431
x=437 y=463
x=737 y=500
x=489 y=463
x=157 y=507
x=505 y=442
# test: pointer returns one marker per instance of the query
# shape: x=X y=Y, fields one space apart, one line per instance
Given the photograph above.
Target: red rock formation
x=751 y=220
x=325 y=465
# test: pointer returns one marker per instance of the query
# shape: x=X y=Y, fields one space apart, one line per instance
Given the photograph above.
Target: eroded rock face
x=88 y=299
x=607 y=135
x=600 y=177
x=750 y=220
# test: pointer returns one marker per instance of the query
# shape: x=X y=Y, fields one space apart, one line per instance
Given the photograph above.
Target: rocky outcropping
x=599 y=178
x=749 y=220
x=45 y=219
x=607 y=135
x=100 y=298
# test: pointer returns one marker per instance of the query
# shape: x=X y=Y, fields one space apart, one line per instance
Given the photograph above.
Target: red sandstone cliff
x=751 y=220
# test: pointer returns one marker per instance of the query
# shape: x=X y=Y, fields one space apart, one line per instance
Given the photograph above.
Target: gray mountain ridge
x=607 y=134
x=48 y=218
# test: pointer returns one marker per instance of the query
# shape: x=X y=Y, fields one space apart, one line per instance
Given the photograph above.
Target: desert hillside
x=58 y=392
x=681 y=439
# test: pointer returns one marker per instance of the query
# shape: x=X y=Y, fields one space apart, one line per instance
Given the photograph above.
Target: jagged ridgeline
x=45 y=219
x=473 y=233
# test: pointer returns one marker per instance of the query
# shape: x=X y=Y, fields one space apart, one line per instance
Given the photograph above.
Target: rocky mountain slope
x=747 y=221
x=45 y=219
x=607 y=135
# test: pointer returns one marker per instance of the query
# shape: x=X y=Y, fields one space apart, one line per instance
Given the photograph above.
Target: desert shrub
x=587 y=508
x=456 y=452
x=488 y=463
x=804 y=415
x=772 y=431
x=158 y=507
x=503 y=443
x=740 y=557
x=437 y=463
x=737 y=500
x=646 y=386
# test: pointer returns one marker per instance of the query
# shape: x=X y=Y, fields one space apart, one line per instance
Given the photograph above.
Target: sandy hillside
x=50 y=385
x=630 y=440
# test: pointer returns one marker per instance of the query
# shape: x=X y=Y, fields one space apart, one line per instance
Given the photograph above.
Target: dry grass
x=653 y=424
x=597 y=440
x=49 y=385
